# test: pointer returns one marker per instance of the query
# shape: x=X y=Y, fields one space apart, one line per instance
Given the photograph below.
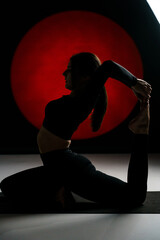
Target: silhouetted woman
x=65 y=171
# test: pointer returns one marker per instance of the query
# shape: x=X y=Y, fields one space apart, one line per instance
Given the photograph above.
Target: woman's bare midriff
x=47 y=141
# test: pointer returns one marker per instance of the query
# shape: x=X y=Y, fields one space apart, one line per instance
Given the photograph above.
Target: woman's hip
x=65 y=161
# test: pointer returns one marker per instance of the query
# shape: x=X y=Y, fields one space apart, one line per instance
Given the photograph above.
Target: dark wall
x=135 y=16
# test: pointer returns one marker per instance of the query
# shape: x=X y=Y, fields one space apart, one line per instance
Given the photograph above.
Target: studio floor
x=82 y=226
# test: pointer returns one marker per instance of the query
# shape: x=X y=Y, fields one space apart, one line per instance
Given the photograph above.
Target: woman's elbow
x=108 y=65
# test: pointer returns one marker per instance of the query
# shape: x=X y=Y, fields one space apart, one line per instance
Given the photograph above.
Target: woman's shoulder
x=58 y=101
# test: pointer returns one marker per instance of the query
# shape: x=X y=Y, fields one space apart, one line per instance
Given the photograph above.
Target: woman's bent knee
x=137 y=198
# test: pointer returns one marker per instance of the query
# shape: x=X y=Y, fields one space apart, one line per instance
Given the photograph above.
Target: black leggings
x=77 y=174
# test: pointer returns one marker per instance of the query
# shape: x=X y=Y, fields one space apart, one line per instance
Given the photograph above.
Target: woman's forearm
x=116 y=71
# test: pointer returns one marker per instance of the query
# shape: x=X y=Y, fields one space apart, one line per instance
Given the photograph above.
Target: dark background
x=17 y=135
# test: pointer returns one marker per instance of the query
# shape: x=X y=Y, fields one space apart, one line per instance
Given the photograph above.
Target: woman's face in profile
x=67 y=74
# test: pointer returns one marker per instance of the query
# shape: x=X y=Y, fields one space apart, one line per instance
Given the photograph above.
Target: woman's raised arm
x=141 y=88
x=114 y=70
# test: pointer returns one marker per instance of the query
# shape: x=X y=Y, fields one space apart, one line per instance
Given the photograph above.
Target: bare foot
x=65 y=198
x=60 y=196
x=140 y=124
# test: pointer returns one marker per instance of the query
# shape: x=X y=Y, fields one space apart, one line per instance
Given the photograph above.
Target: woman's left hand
x=142 y=90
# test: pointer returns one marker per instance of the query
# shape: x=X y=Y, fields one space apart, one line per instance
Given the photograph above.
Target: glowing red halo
x=42 y=56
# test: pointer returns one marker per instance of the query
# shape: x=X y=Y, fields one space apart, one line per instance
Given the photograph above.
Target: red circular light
x=43 y=55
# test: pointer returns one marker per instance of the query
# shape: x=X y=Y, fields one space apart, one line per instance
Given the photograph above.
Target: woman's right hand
x=142 y=90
